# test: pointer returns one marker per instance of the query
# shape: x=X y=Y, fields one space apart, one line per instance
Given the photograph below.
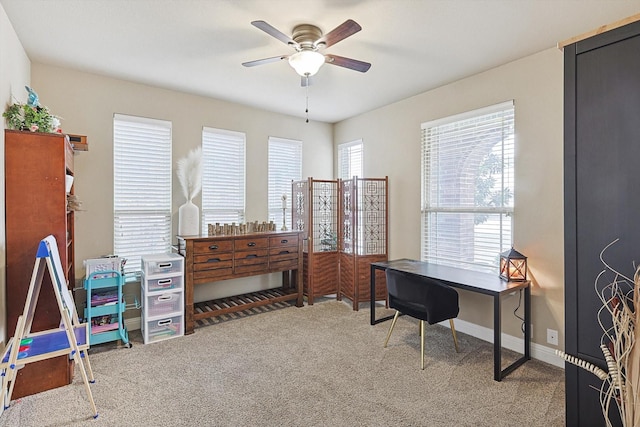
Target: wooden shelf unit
x=216 y=258
x=36 y=206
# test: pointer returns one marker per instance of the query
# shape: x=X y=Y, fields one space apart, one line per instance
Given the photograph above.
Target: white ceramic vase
x=188 y=219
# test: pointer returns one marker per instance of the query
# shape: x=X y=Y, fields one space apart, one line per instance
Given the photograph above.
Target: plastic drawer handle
x=164 y=282
x=165 y=265
x=213 y=247
x=251 y=244
x=165 y=322
x=165 y=297
x=213 y=260
x=284 y=241
x=283 y=252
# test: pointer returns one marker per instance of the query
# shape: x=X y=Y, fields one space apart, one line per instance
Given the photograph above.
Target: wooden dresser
x=36 y=206
x=211 y=259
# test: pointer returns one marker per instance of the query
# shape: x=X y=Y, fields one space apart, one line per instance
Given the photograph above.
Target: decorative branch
x=621 y=384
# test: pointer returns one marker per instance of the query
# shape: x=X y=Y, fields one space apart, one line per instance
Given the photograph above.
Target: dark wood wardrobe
x=602 y=194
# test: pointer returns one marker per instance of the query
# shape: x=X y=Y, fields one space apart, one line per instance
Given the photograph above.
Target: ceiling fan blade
x=352 y=64
x=265 y=61
x=274 y=32
x=341 y=32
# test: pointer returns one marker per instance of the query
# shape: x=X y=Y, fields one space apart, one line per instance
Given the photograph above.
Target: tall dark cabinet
x=602 y=185
x=35 y=167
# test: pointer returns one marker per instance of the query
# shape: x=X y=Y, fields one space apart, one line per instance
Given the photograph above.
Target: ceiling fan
x=308 y=40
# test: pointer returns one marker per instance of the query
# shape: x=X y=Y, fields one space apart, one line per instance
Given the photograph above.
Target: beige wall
x=87 y=102
x=14 y=75
x=391 y=137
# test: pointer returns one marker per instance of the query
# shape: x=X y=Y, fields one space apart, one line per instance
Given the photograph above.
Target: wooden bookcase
x=36 y=206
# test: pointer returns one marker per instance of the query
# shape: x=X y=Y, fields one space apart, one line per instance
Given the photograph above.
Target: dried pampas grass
x=189 y=172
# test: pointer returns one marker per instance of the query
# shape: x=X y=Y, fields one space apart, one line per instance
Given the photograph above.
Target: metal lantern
x=513 y=266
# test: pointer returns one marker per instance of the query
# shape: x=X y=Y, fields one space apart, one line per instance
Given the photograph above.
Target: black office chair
x=424 y=299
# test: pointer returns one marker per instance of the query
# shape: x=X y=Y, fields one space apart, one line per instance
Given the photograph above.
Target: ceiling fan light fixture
x=306 y=62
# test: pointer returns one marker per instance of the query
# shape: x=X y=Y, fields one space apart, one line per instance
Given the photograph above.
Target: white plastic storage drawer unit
x=162 y=265
x=163 y=328
x=166 y=303
x=162 y=290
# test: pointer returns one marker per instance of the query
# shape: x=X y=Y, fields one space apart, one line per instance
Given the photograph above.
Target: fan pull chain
x=307 y=100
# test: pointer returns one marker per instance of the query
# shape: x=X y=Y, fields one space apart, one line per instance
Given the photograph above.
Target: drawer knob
x=213 y=260
x=251 y=244
x=284 y=241
x=283 y=252
x=252 y=256
x=213 y=247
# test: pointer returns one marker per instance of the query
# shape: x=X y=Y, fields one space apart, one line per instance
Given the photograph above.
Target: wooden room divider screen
x=364 y=228
x=345 y=227
x=315 y=212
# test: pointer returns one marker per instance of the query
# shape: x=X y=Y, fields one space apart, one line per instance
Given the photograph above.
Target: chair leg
x=422 y=345
x=393 y=323
x=453 y=332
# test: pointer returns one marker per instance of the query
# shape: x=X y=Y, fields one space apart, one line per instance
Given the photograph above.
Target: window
x=141 y=188
x=223 y=177
x=350 y=159
x=467 y=187
x=285 y=165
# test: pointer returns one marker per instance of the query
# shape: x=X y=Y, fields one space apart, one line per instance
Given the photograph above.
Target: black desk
x=483 y=283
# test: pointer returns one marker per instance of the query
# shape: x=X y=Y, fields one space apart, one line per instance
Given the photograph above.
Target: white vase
x=188 y=219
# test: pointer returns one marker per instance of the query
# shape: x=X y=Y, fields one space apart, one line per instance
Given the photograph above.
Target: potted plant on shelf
x=31 y=116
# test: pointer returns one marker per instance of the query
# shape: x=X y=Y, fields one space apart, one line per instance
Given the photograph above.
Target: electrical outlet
x=552 y=336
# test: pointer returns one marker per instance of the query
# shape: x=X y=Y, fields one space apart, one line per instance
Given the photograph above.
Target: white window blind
x=350 y=159
x=141 y=188
x=467 y=187
x=285 y=165
x=223 y=177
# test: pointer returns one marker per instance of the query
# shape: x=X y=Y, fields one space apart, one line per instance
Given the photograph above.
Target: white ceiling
x=197 y=46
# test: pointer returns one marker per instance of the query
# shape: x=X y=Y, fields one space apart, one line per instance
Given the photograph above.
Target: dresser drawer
x=213 y=275
x=212 y=246
x=283 y=241
x=283 y=264
x=257 y=256
x=212 y=261
x=251 y=243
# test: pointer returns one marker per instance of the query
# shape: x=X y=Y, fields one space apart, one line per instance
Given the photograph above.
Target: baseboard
x=539 y=352
x=132 y=324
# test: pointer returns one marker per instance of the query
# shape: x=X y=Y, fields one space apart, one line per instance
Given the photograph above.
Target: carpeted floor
x=320 y=365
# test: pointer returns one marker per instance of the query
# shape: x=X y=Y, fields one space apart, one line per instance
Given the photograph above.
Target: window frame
x=149 y=209
x=233 y=212
x=345 y=154
x=275 y=191
x=501 y=216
